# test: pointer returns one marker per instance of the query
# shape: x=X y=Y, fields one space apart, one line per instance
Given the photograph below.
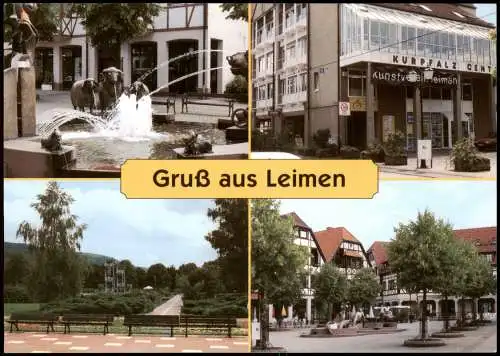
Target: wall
x=234 y=36
x=482 y=92
x=10 y=104
x=323 y=58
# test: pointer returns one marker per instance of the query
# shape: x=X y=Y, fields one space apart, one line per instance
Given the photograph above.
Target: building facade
x=180 y=28
x=332 y=245
x=483 y=238
x=371 y=59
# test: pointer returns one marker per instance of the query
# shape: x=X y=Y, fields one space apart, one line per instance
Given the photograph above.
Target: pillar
x=200 y=65
x=457 y=104
x=28 y=100
x=370 y=107
x=92 y=63
x=84 y=60
x=493 y=104
x=343 y=97
x=162 y=56
x=126 y=63
x=271 y=316
x=290 y=312
x=417 y=112
x=309 y=310
x=56 y=64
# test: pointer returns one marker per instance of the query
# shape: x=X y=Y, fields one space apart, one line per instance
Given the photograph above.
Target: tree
x=141 y=277
x=129 y=268
x=58 y=271
x=171 y=278
x=111 y=24
x=230 y=240
x=419 y=256
x=156 y=274
x=235 y=11
x=330 y=289
x=44 y=18
x=493 y=36
x=16 y=269
x=278 y=265
x=363 y=288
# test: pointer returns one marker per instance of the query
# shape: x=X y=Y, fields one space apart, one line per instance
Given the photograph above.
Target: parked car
x=487 y=144
x=273 y=155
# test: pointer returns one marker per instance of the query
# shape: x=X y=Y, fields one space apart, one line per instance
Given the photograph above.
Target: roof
x=297 y=221
x=379 y=251
x=484 y=238
x=330 y=239
x=440 y=10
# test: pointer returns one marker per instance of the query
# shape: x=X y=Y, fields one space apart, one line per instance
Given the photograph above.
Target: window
x=291 y=84
x=374 y=34
x=446 y=94
x=435 y=93
x=316 y=81
x=302 y=82
x=356 y=83
x=290 y=51
x=261 y=64
x=467 y=91
x=269 y=62
x=302 y=44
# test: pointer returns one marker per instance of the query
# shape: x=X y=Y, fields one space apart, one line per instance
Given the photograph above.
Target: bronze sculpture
x=53 y=143
x=24 y=33
x=239 y=66
x=194 y=147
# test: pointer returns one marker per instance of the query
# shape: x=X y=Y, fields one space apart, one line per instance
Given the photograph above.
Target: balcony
x=301 y=23
x=264 y=104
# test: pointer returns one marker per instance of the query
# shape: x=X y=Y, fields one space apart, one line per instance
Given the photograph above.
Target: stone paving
x=25 y=342
x=482 y=340
x=441 y=168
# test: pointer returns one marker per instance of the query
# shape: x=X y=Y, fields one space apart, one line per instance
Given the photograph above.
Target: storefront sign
x=357 y=103
x=439 y=64
x=255 y=331
x=344 y=109
x=403 y=78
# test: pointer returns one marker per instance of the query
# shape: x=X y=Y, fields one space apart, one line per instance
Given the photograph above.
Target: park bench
x=196 y=321
x=33 y=318
x=186 y=100
x=168 y=321
x=87 y=319
x=168 y=101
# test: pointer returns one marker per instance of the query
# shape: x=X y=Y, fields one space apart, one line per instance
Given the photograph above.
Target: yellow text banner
x=208 y=179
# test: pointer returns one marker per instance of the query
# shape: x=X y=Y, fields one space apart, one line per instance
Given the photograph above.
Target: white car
x=273 y=155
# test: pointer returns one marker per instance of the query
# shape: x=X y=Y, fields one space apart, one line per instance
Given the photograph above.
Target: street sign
x=344 y=108
x=255 y=331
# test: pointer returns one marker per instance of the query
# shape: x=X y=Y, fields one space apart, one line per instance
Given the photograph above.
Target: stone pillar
x=290 y=312
x=417 y=112
x=200 y=65
x=84 y=60
x=370 y=107
x=28 y=100
x=162 y=56
x=271 y=309
x=126 y=62
x=457 y=117
x=92 y=64
x=309 y=310
x=220 y=73
x=10 y=78
x=57 y=68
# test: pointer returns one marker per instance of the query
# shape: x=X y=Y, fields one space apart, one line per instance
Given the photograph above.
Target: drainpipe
x=87 y=56
x=339 y=74
x=205 y=28
x=308 y=103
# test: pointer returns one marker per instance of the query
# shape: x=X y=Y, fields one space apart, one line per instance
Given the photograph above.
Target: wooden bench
x=194 y=321
x=87 y=319
x=33 y=318
x=186 y=100
x=169 y=321
x=169 y=101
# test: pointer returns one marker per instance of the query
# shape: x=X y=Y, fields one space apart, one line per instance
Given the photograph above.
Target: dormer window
x=425 y=8
x=459 y=15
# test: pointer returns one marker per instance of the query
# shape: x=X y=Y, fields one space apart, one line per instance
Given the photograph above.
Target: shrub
x=234 y=305
x=321 y=138
x=395 y=145
x=465 y=157
x=268 y=141
x=349 y=152
x=375 y=152
x=16 y=294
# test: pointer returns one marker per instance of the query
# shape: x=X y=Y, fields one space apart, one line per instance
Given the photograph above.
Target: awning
x=391 y=16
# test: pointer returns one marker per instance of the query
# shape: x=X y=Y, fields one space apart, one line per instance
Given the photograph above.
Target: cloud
x=463 y=203
x=143 y=231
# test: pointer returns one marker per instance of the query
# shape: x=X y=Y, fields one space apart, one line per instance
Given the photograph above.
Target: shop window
x=355 y=85
x=436 y=93
x=467 y=91
x=446 y=94
x=409 y=92
x=426 y=93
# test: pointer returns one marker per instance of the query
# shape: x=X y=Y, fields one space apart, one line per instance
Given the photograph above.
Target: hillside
x=10 y=248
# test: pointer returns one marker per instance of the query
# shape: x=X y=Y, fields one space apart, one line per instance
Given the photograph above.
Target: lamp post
x=420 y=78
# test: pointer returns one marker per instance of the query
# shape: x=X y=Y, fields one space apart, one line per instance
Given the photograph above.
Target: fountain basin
x=346 y=332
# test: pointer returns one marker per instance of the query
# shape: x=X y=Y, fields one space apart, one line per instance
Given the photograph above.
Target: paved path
x=172 y=306
x=441 y=169
x=42 y=343
x=482 y=340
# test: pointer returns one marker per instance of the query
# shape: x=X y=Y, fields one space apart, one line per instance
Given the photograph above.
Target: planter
x=374 y=156
x=347 y=152
x=325 y=152
x=479 y=164
x=429 y=342
x=447 y=334
x=47 y=87
x=395 y=160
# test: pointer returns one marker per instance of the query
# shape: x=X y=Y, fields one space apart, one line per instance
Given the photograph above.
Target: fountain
x=70 y=143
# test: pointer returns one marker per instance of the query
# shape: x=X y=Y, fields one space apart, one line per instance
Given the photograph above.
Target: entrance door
x=144 y=58
x=356 y=129
x=71 y=65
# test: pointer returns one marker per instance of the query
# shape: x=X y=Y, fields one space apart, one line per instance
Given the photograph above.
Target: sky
x=485 y=11
x=171 y=232
x=465 y=204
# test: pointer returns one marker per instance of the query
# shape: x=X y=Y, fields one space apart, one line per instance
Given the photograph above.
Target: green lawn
x=9 y=308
